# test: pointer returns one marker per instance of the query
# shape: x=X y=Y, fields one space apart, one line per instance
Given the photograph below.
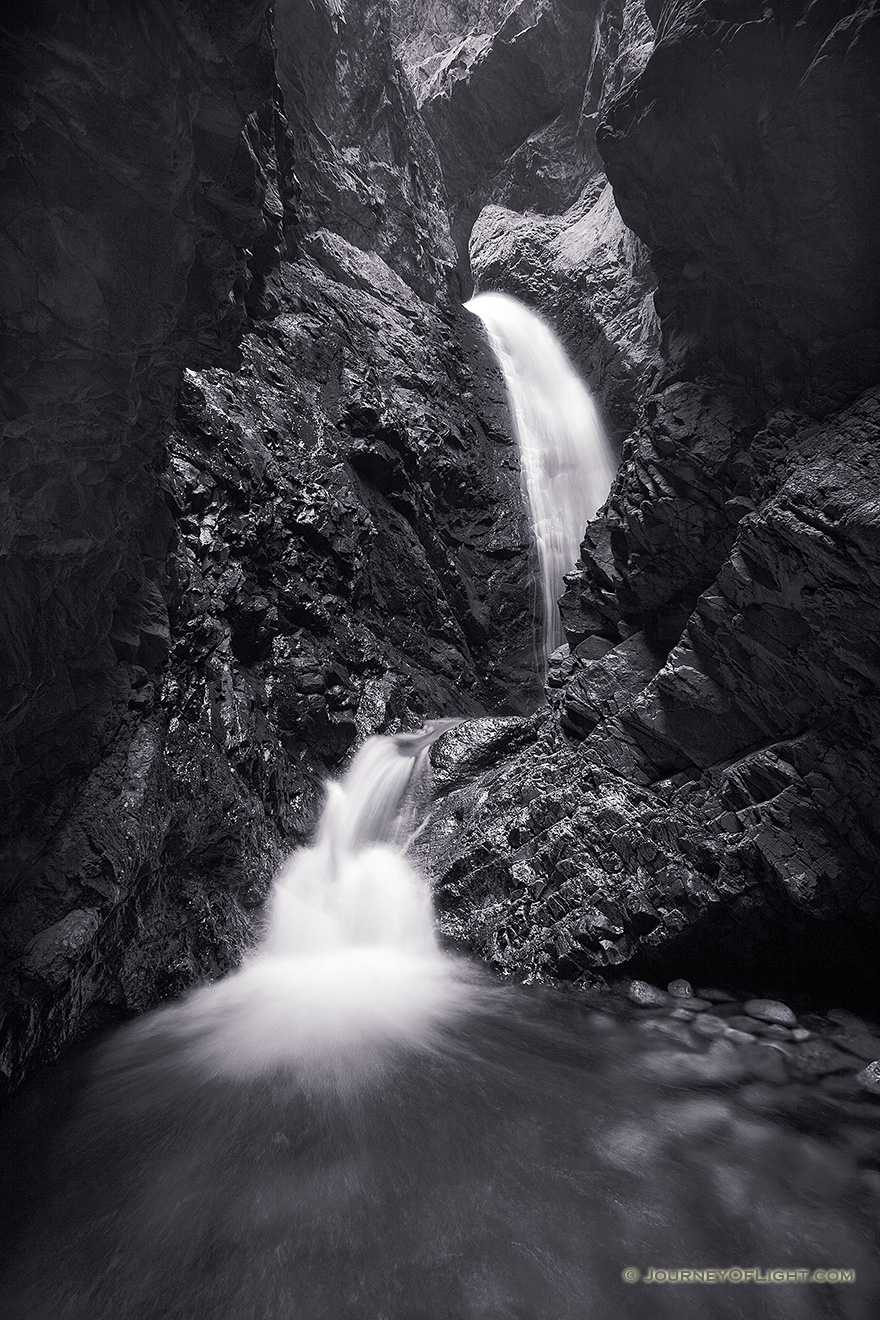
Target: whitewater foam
x=349 y=967
x=567 y=463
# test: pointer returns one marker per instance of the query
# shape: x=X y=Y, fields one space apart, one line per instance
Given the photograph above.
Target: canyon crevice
x=261 y=498
x=704 y=792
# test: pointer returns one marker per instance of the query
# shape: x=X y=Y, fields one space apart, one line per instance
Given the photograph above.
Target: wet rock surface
x=218 y=583
x=532 y=211
x=749 y=748
x=221 y=582
x=757 y=1045
x=704 y=779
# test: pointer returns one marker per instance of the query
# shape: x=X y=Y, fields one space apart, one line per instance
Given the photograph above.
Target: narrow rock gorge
x=262 y=499
x=337 y=897
x=705 y=790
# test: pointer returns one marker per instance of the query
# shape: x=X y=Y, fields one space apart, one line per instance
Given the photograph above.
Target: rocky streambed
x=542 y=1147
x=727 y=1040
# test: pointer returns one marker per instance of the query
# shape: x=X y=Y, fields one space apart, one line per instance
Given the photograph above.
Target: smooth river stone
x=859 y=1044
x=770 y=1010
x=742 y=1023
x=869 y=1077
x=716 y=996
x=709 y=1025
x=738 y=1037
x=644 y=995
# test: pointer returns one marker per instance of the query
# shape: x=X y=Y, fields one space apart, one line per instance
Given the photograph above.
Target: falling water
x=567 y=462
x=349 y=965
x=357 y=1125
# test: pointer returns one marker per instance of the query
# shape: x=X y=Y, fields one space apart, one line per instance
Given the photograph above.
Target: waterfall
x=356 y=1125
x=353 y=888
x=567 y=464
x=348 y=965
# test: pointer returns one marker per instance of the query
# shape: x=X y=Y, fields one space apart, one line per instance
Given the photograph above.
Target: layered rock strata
x=708 y=789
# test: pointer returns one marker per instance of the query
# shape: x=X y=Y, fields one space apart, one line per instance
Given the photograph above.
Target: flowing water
x=567 y=463
x=359 y=1126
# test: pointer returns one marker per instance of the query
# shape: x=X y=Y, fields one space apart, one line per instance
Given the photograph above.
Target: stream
x=358 y=1125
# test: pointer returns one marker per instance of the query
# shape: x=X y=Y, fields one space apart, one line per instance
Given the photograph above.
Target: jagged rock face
x=717 y=798
x=350 y=543
x=512 y=99
x=425 y=31
x=333 y=542
x=724 y=805
x=671 y=516
x=130 y=196
x=484 y=97
x=365 y=166
x=746 y=157
x=101 y=244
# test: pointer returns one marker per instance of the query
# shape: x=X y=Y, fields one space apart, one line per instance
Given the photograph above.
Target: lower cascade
x=349 y=964
x=567 y=463
x=356 y=1125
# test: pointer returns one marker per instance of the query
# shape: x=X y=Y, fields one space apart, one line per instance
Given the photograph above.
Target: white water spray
x=567 y=462
x=349 y=965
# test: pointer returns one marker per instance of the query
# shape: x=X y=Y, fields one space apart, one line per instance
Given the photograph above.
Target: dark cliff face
x=365 y=166
x=222 y=581
x=262 y=500
x=502 y=102
x=512 y=95
x=746 y=156
x=131 y=196
x=707 y=793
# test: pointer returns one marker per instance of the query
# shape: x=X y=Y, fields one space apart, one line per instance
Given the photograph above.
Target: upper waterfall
x=567 y=463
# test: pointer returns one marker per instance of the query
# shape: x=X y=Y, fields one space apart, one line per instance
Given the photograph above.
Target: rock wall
x=706 y=791
x=512 y=95
x=262 y=498
x=365 y=165
x=131 y=197
x=746 y=157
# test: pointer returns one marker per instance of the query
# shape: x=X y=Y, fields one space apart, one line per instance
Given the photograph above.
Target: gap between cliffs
x=263 y=500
